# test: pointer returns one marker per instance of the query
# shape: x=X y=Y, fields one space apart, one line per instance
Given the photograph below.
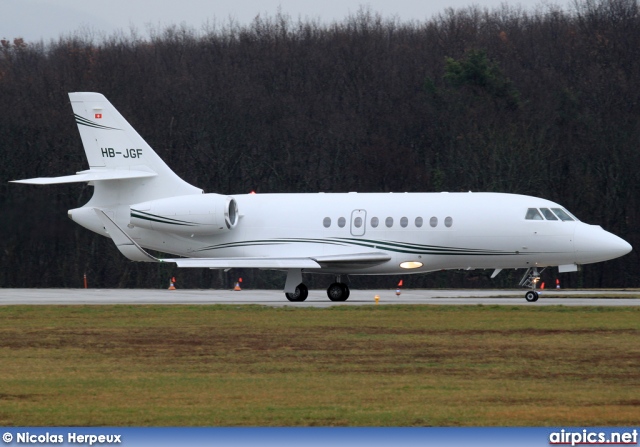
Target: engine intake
x=204 y=214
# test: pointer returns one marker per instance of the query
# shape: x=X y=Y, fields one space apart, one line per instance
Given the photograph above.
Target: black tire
x=338 y=292
x=301 y=294
x=531 y=296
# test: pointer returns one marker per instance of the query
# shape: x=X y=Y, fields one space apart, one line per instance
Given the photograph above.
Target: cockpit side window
x=562 y=214
x=548 y=214
x=533 y=214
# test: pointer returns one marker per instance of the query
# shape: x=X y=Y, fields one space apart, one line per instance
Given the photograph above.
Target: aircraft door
x=358 y=222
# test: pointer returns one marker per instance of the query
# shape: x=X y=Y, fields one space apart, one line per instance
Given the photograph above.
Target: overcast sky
x=49 y=19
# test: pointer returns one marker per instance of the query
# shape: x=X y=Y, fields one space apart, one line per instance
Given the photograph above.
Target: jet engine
x=190 y=215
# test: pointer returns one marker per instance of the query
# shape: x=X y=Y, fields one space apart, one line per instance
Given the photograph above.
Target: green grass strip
x=342 y=366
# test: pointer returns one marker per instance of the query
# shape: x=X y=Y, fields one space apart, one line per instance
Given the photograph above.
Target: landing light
x=411 y=265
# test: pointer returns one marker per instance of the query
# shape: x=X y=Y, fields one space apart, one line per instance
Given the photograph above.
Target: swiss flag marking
x=98 y=116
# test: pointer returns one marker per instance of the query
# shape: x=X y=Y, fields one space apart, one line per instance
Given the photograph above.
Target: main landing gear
x=530 y=279
x=338 y=291
x=301 y=293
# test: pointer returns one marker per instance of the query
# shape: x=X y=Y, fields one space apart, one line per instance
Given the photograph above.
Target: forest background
x=543 y=102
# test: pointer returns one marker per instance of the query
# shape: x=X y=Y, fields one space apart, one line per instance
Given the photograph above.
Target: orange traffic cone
x=171 y=284
x=237 y=287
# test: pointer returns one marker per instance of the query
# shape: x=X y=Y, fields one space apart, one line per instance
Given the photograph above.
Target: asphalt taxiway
x=317 y=298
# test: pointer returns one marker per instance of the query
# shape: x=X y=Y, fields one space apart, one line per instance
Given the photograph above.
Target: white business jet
x=140 y=203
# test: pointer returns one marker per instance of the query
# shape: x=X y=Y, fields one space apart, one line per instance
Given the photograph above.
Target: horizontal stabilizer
x=88 y=176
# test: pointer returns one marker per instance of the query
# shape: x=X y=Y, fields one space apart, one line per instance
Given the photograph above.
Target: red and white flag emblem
x=98 y=116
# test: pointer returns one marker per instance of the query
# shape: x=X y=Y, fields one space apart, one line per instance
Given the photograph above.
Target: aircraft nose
x=593 y=244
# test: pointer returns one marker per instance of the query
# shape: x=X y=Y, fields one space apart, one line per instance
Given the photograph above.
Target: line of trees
x=543 y=102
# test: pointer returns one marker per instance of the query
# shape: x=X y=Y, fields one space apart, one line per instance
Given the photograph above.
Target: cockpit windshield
x=550 y=214
x=562 y=214
x=533 y=214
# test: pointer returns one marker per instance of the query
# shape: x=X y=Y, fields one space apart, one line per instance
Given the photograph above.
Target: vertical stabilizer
x=112 y=144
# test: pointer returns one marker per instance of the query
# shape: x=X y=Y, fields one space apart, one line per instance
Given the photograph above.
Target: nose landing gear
x=530 y=279
x=531 y=296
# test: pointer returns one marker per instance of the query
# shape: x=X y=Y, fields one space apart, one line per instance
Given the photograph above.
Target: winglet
x=125 y=244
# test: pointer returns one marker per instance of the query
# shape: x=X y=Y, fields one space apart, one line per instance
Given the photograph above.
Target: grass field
x=342 y=366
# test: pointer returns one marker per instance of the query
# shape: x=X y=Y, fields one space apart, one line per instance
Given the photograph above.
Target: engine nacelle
x=204 y=214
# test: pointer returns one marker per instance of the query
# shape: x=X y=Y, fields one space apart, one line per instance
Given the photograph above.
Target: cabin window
x=448 y=221
x=389 y=222
x=357 y=222
x=533 y=214
x=326 y=222
x=562 y=214
x=548 y=214
x=374 y=222
x=418 y=222
x=433 y=221
x=404 y=222
x=342 y=222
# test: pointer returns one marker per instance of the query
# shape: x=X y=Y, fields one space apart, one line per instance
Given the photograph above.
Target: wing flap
x=260 y=263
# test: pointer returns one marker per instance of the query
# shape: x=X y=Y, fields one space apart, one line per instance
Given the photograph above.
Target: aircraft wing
x=132 y=250
x=315 y=262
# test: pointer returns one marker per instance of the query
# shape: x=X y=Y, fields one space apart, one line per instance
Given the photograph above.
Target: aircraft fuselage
x=420 y=232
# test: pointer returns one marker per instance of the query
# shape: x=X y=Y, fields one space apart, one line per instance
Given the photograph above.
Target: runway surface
x=317 y=298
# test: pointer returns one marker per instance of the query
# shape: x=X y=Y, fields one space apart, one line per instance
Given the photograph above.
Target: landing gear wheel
x=299 y=295
x=531 y=296
x=338 y=292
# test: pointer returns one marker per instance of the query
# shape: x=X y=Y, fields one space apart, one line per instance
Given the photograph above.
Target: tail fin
x=122 y=166
x=111 y=143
